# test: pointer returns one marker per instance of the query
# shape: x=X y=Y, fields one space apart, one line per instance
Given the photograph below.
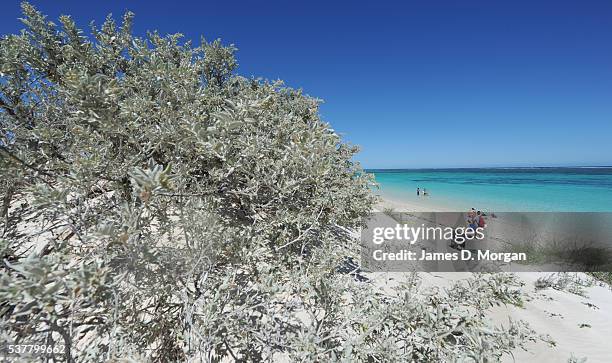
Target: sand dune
x=579 y=324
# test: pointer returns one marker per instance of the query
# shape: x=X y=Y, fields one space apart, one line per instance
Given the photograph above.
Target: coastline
x=573 y=319
x=499 y=189
x=402 y=206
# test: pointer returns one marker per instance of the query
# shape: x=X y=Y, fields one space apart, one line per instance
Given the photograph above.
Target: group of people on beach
x=424 y=192
x=475 y=224
x=476 y=219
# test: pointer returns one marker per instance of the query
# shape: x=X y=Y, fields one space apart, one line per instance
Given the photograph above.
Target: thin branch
x=7 y=108
x=301 y=234
x=28 y=166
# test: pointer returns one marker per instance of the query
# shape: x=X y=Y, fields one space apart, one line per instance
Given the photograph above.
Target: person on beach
x=425 y=192
x=481 y=220
x=472 y=223
x=472 y=220
x=418 y=192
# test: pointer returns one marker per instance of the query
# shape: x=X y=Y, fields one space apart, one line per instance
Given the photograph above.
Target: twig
x=301 y=234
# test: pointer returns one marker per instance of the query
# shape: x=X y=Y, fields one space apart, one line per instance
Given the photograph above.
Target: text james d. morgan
x=463 y=255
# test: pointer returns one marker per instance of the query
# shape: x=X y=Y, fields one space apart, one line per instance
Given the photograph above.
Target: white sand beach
x=578 y=325
x=577 y=322
x=402 y=206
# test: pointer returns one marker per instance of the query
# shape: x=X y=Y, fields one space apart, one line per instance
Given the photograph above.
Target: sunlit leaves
x=157 y=205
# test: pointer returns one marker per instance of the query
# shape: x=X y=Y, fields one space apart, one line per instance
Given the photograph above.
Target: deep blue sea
x=576 y=189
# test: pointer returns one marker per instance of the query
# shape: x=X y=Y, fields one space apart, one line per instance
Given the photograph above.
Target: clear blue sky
x=418 y=84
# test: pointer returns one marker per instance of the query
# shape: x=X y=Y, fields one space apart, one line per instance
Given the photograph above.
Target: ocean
x=551 y=189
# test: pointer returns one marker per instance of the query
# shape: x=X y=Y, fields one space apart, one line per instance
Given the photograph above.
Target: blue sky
x=417 y=83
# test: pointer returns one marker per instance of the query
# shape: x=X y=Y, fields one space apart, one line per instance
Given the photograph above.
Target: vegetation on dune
x=157 y=206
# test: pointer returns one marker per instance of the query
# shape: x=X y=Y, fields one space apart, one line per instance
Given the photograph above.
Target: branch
x=5 y=106
x=301 y=234
x=65 y=336
x=23 y=163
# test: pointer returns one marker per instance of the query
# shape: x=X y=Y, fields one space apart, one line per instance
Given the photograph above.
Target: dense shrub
x=157 y=206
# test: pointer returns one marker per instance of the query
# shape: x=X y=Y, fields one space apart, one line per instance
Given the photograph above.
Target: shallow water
x=502 y=189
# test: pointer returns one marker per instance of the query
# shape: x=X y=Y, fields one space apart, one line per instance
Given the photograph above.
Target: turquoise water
x=502 y=189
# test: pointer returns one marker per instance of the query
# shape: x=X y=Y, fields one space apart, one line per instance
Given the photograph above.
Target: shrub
x=157 y=206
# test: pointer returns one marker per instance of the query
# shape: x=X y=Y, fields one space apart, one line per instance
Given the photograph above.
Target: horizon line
x=500 y=167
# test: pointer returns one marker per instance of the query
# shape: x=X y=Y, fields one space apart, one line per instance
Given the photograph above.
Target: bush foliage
x=157 y=206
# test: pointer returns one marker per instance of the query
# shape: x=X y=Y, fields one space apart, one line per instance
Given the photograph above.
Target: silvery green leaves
x=146 y=182
x=219 y=62
x=43 y=290
x=187 y=209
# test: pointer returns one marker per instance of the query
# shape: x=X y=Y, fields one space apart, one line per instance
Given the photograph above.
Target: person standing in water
x=418 y=192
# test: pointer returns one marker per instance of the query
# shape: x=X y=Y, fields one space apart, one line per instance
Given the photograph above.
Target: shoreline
x=498 y=190
x=385 y=202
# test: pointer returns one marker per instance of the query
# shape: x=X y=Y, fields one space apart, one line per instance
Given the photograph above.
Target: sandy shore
x=579 y=324
x=398 y=206
x=421 y=204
